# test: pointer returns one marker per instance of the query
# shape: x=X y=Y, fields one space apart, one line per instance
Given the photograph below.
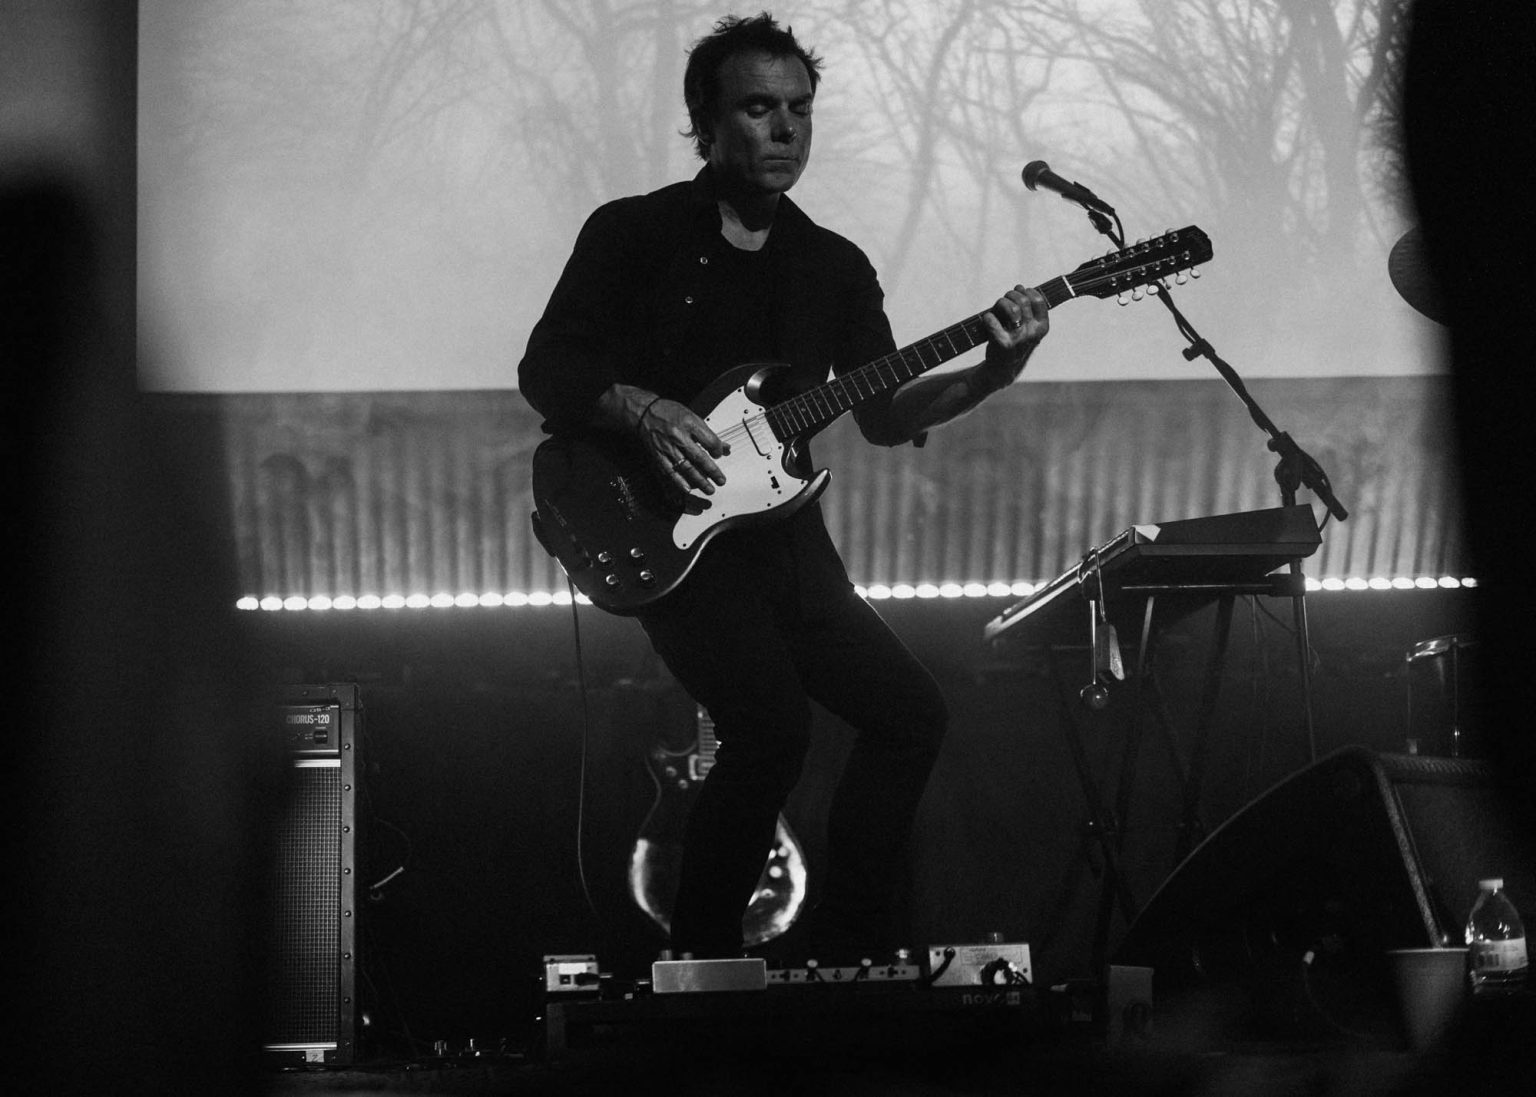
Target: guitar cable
x=934 y=975
x=586 y=735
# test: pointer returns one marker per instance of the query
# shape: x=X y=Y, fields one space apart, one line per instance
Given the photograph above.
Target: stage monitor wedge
x=1289 y=907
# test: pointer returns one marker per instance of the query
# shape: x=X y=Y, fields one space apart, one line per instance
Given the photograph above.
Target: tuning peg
x=1179 y=278
x=1194 y=272
x=1120 y=299
x=1136 y=294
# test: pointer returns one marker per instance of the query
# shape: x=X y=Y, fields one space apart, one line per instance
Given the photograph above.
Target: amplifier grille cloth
x=307 y=910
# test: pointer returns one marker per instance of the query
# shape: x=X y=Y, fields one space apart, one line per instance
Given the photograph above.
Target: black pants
x=766 y=623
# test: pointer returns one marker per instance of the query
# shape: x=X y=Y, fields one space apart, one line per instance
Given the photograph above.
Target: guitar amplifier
x=311 y=1007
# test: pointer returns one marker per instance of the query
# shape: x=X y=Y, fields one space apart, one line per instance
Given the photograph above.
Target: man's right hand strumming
x=681 y=444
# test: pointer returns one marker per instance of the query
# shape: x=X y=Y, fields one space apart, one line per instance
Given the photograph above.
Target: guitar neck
x=824 y=403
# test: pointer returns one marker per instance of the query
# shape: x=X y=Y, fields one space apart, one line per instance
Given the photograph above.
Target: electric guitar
x=627 y=538
x=657 y=857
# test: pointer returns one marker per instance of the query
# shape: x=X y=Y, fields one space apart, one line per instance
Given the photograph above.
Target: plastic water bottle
x=1496 y=956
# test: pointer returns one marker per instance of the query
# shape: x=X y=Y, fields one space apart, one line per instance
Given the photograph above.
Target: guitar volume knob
x=647 y=577
x=636 y=554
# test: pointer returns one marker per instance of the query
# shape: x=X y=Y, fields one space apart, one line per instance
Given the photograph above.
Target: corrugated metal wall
x=428 y=492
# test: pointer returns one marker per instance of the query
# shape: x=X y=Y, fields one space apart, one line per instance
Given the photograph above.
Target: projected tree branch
x=1257 y=104
x=377 y=194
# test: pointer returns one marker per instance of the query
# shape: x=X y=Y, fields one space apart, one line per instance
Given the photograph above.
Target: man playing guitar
x=663 y=293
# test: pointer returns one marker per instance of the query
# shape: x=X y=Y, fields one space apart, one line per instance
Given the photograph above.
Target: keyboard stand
x=1179 y=566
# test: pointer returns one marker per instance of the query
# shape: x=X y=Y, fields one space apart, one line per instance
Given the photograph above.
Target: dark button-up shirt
x=625 y=308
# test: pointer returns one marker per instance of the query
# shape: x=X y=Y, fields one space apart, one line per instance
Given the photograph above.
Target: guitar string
x=804 y=406
x=815 y=404
x=803 y=403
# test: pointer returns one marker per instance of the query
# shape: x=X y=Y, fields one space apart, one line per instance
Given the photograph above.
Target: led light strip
x=872 y=592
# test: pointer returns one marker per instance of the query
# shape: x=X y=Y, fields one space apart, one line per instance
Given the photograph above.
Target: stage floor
x=943 y=1053
x=1251 y=1072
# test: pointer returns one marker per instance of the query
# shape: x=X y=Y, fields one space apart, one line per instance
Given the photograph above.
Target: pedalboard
x=879 y=1005
x=996 y=964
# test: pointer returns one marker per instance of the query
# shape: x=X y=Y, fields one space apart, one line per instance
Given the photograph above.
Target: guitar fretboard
x=826 y=402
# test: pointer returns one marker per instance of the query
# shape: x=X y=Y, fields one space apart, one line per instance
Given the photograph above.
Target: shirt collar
x=788 y=220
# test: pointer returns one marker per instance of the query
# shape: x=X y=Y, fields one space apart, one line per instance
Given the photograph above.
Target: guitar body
x=655 y=862
x=625 y=537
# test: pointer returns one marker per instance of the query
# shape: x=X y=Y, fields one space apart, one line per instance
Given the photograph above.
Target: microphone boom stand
x=1295 y=467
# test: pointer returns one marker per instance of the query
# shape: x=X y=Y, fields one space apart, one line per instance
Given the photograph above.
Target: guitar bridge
x=626 y=497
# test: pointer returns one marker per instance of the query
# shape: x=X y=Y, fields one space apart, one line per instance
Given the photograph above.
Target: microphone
x=1037 y=173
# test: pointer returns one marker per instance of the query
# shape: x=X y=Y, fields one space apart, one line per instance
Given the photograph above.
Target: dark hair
x=733 y=35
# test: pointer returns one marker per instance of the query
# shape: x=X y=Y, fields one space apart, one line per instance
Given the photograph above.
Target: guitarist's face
x=760 y=137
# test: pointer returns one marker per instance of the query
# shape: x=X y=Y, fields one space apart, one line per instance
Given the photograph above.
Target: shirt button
x=704 y=260
x=687 y=300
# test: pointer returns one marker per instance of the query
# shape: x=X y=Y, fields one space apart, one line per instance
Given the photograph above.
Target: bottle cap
x=1491 y=884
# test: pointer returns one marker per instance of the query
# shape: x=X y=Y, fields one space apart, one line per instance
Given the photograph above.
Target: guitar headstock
x=1141 y=263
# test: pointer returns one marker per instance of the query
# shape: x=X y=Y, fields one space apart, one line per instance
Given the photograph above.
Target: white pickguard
x=756 y=480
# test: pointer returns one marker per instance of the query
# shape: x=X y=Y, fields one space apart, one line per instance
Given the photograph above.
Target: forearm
x=937 y=398
x=929 y=401
x=620 y=407
x=1015 y=326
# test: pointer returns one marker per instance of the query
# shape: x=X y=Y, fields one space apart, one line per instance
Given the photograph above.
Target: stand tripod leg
x=1133 y=738
x=1191 y=828
x=1303 y=652
x=1117 y=889
x=1158 y=707
x=1101 y=825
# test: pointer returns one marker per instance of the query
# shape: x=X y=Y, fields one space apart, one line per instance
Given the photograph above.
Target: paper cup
x=1431 y=987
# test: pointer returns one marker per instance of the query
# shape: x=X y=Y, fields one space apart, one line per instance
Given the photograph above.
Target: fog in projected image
x=371 y=195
